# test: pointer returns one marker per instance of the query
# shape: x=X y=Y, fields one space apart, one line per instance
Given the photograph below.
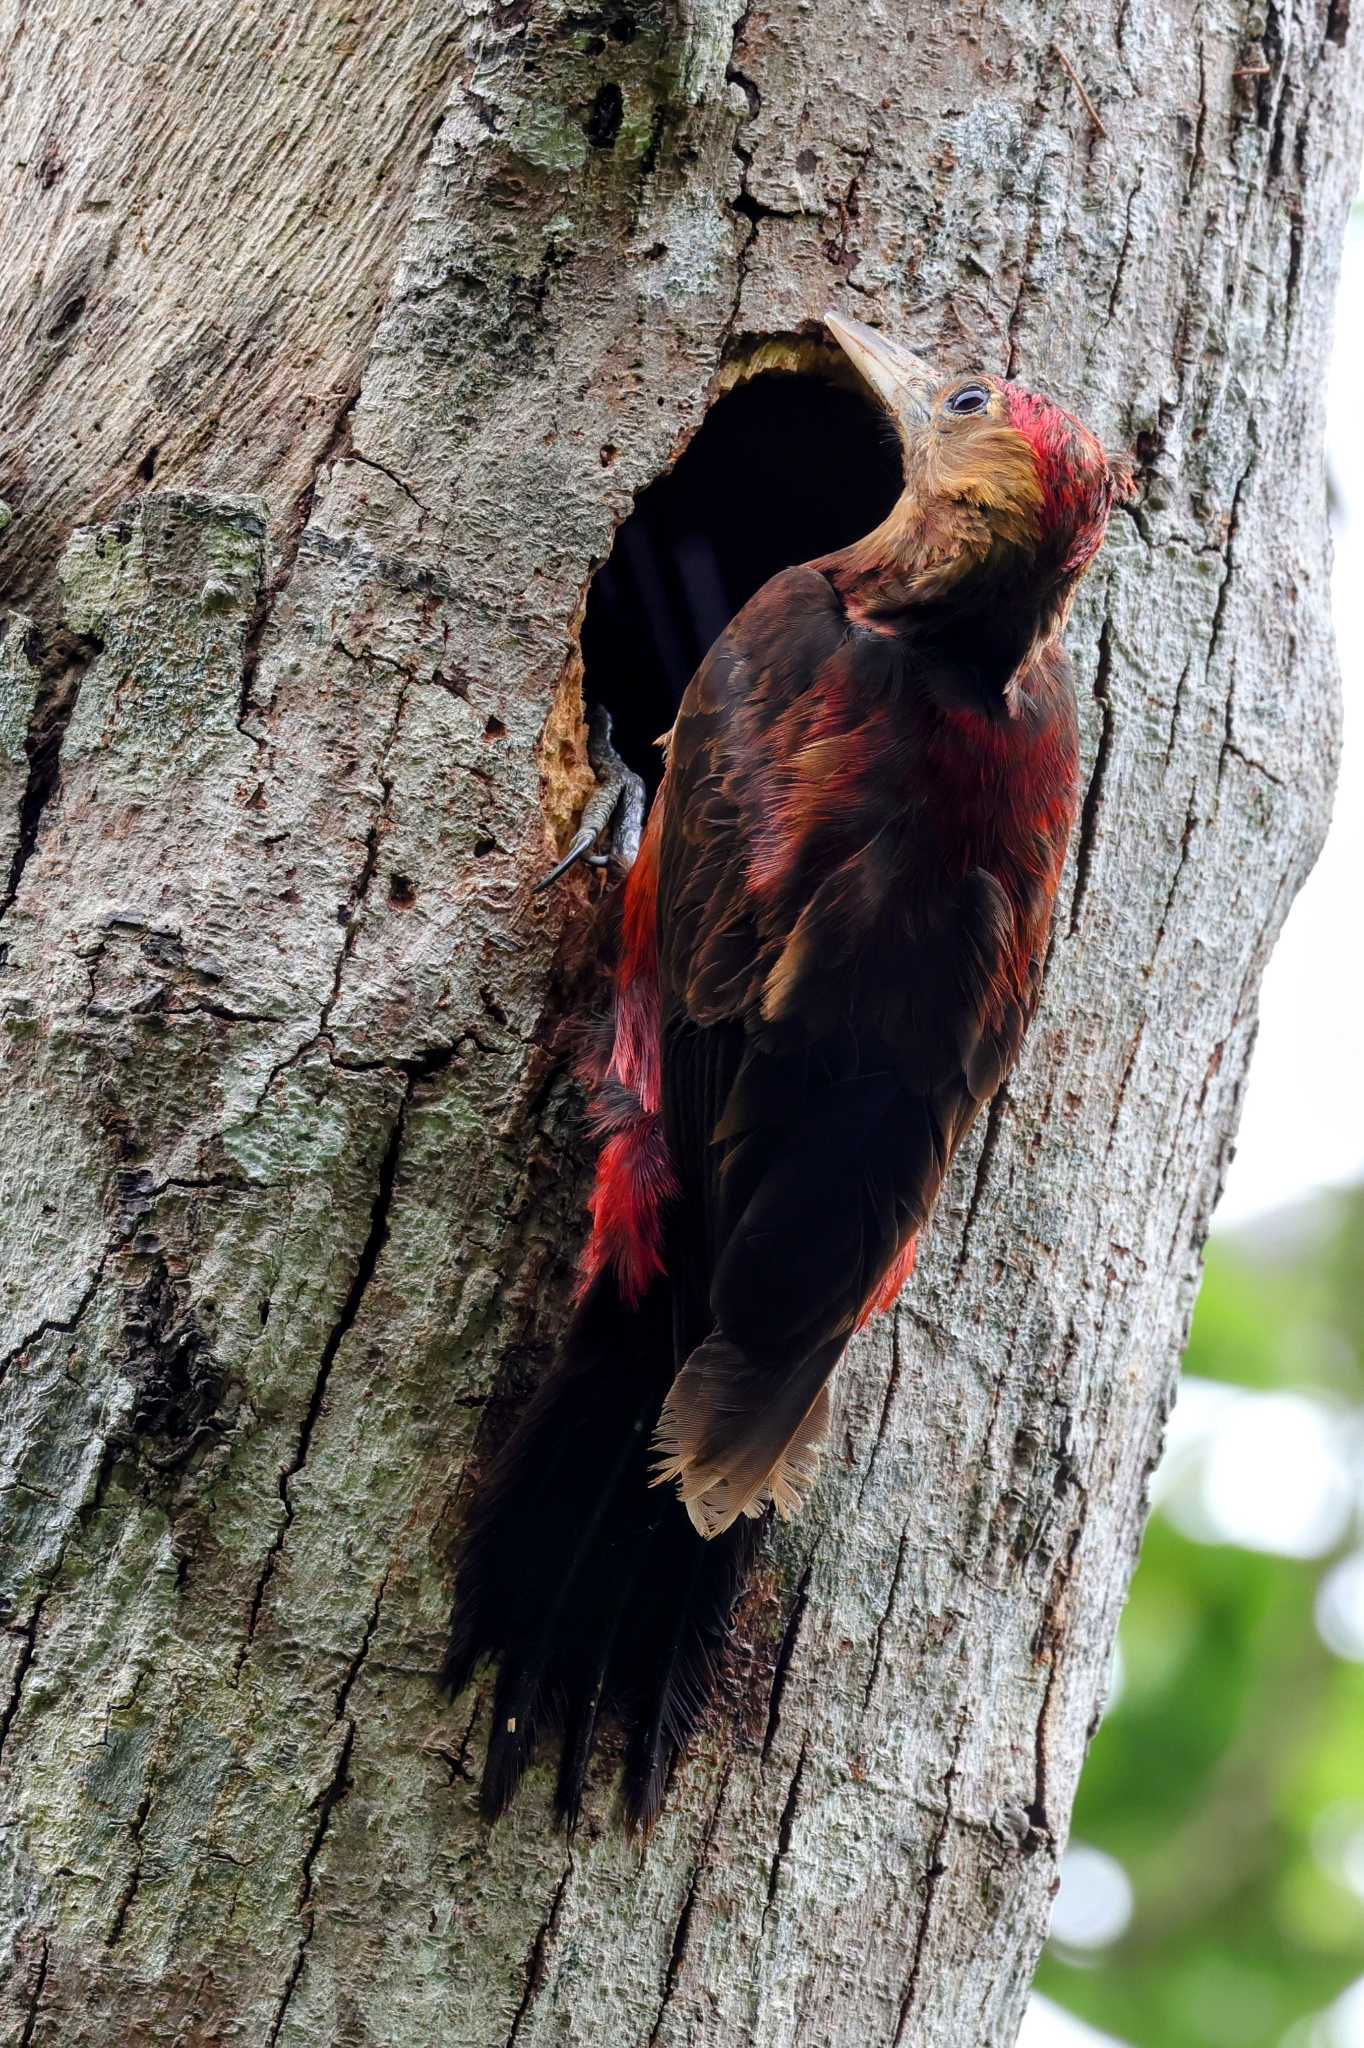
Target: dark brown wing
x=835 y=1012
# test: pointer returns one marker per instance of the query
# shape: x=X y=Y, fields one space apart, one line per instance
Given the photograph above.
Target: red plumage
x=832 y=945
x=634 y=1179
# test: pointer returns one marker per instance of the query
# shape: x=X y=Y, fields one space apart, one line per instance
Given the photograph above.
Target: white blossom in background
x=1340 y=1608
x=1093 y=1908
x=1268 y=1471
x=1047 y=2026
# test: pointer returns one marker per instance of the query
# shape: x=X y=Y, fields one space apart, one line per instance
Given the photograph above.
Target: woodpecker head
x=994 y=475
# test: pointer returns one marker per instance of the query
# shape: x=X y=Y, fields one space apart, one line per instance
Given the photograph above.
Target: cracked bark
x=289 y=724
x=935 y=1870
x=367 y=1264
x=682 y=1930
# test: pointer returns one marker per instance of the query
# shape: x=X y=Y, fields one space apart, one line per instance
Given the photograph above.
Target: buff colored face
x=1013 y=464
x=969 y=453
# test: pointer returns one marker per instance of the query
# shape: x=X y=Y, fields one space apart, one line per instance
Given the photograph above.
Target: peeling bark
x=339 y=350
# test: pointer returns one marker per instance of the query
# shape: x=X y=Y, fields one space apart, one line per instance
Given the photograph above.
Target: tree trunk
x=291 y=1159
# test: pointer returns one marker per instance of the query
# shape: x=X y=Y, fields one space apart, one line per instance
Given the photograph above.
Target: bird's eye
x=971 y=398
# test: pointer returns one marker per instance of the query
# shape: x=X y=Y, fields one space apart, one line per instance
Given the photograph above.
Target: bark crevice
x=891 y=1390
x=126 y=1897
x=935 y=1871
x=1087 y=829
x=994 y=1121
x=327 y=1800
x=677 y=1951
x=27 y=1634
x=60 y=660
x=33 y=1998
x=883 y=1619
x=785 y=1829
x=332 y=450
x=786 y=1649
x=537 y=1960
x=366 y=1266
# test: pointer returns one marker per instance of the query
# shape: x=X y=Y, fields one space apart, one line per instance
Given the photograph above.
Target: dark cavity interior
x=784 y=467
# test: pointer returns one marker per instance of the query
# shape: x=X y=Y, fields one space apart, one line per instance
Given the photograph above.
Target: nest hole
x=784 y=467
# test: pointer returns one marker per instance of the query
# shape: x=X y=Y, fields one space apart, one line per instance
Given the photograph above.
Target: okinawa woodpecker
x=832 y=944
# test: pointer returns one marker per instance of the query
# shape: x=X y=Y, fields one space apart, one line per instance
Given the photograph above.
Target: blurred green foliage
x=1228 y=1777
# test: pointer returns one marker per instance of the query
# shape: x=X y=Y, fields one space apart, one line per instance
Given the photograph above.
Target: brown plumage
x=832 y=947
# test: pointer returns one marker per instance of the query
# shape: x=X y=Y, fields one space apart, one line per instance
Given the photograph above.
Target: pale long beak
x=905 y=381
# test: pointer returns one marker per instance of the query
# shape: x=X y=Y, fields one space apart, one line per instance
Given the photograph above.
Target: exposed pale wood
x=200 y=213
x=289 y=1162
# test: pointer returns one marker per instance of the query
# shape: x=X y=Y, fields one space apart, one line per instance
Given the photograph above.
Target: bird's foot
x=615 y=808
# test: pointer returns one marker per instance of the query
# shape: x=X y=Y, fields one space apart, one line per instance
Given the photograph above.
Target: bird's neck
x=970 y=610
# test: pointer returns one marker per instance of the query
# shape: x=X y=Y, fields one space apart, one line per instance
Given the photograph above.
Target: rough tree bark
x=334 y=353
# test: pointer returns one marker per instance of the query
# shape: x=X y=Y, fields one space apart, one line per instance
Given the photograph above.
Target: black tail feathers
x=590 y=1587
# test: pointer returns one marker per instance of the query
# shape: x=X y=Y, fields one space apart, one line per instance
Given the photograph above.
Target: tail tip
x=459 y=1664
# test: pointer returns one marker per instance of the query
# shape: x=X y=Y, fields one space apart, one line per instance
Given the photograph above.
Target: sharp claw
x=570 y=859
x=618 y=803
